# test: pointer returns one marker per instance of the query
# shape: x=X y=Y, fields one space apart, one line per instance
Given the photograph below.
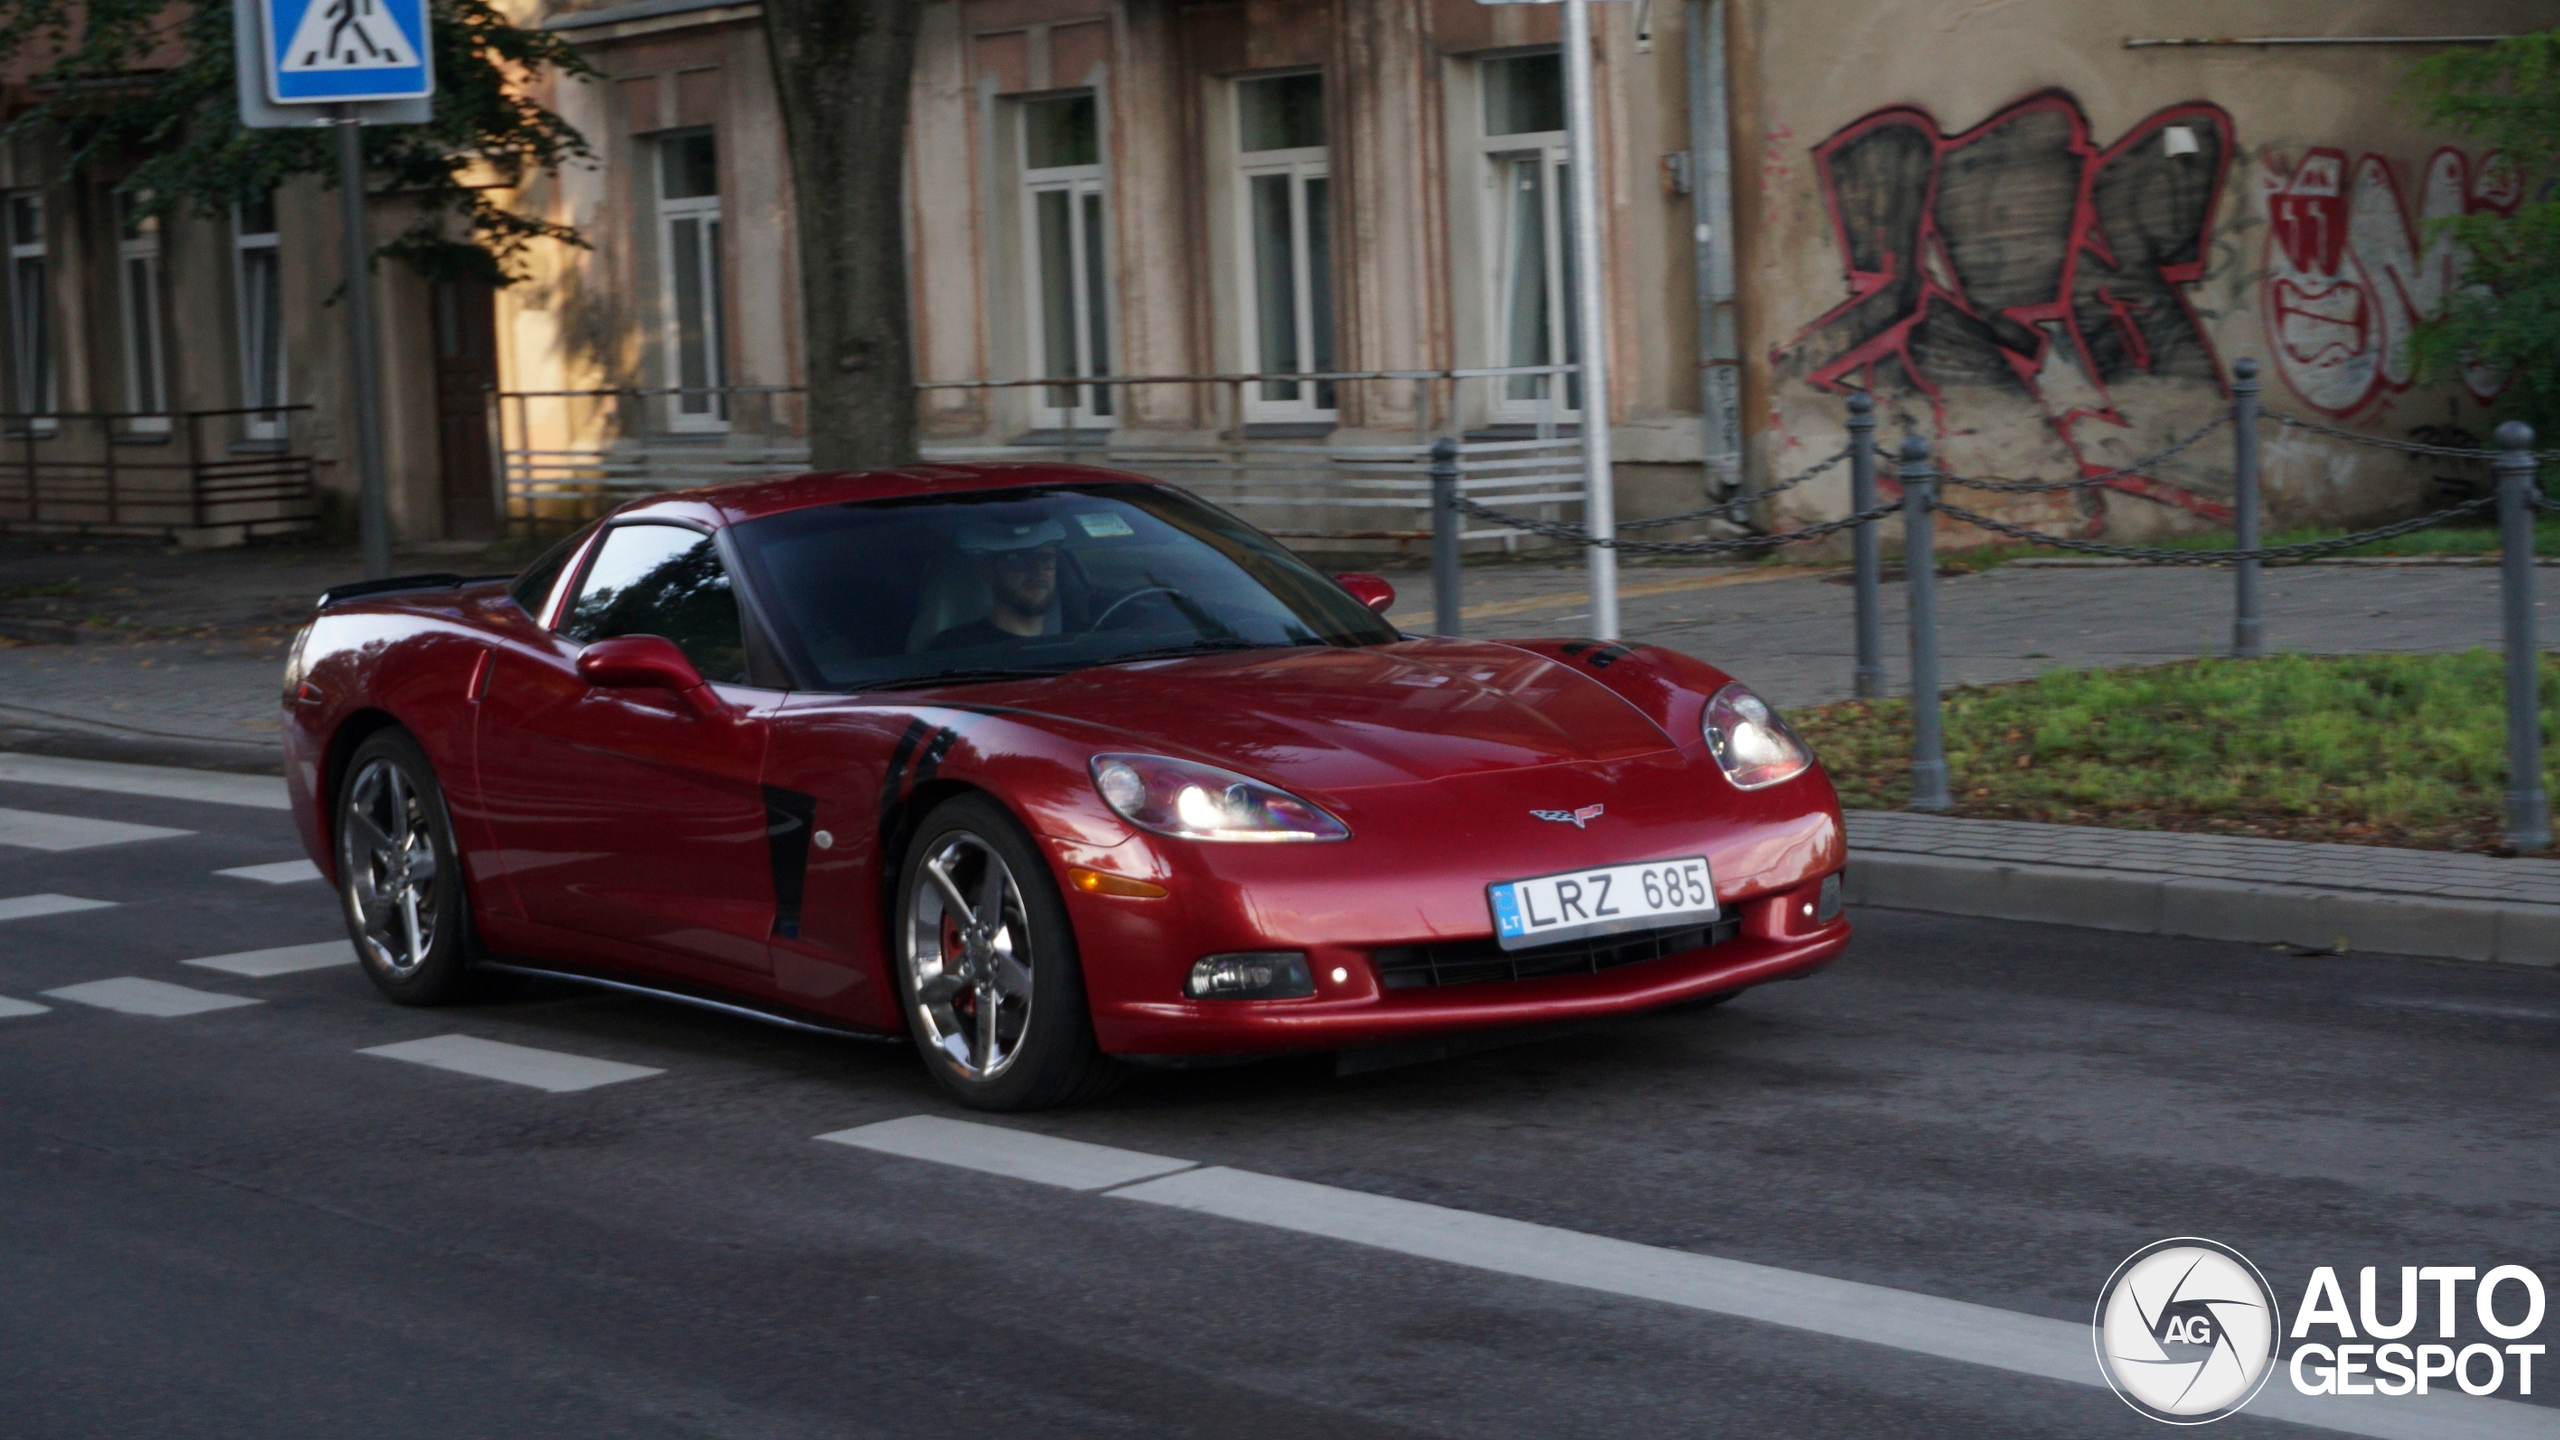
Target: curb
x=2343 y=921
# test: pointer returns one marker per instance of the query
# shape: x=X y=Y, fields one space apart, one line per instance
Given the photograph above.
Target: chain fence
x=2517 y=497
x=2409 y=447
x=1734 y=545
x=2135 y=470
x=1733 y=508
x=2304 y=550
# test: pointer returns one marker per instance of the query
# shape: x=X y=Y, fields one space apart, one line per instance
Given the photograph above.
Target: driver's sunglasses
x=1038 y=557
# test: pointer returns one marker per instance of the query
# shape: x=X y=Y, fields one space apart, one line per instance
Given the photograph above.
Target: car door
x=628 y=827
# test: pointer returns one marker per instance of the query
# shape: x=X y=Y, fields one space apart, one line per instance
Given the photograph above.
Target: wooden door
x=466 y=376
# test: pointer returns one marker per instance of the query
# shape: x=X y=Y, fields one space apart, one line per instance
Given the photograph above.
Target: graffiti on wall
x=2350 y=273
x=2021 y=255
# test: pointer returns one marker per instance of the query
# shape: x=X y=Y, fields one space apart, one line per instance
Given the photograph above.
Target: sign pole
x=373 y=519
x=1599 y=499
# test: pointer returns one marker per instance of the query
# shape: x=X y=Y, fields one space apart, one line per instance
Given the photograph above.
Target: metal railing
x=2516 y=498
x=115 y=472
x=564 y=454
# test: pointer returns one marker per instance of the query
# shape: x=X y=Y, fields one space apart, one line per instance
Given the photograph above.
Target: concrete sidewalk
x=2216 y=887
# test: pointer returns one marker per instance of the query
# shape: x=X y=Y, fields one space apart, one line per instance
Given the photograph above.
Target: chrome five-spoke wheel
x=988 y=967
x=388 y=863
x=969 y=955
x=398 y=880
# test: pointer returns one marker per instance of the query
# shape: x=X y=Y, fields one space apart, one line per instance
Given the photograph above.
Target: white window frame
x=1086 y=407
x=258 y=425
x=1501 y=153
x=1300 y=165
x=709 y=415
x=39 y=383
x=146 y=369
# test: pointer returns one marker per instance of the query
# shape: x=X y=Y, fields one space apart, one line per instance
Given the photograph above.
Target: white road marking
x=133 y=995
x=282 y=872
x=11 y=1009
x=1021 y=1154
x=260 y=792
x=36 y=830
x=27 y=907
x=1847 y=1309
x=516 y=1064
x=285 y=960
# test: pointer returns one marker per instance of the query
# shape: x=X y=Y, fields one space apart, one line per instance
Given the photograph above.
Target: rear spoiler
x=440 y=580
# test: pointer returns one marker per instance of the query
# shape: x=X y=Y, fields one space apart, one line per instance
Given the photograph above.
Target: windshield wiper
x=1208 y=646
x=958 y=677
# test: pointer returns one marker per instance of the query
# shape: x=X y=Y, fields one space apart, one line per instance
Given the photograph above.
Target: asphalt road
x=232 y=1223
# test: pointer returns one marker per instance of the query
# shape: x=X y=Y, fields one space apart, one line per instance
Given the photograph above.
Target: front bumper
x=1357 y=1011
x=1360 y=923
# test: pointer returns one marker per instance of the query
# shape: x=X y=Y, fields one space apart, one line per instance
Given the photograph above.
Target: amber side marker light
x=1094 y=882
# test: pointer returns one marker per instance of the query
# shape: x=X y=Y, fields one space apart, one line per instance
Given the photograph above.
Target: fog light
x=1830 y=910
x=1264 y=975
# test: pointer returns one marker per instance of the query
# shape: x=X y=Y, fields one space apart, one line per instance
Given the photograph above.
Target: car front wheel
x=988 y=968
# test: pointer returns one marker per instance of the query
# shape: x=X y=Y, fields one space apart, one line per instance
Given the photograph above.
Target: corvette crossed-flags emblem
x=1575 y=818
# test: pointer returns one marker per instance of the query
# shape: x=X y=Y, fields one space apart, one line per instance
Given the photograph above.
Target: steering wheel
x=1103 y=620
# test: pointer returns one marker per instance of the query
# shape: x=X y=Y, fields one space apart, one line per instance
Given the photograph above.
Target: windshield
x=1002 y=583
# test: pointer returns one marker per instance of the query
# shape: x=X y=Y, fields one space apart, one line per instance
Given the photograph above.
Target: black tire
x=949 y=969
x=389 y=816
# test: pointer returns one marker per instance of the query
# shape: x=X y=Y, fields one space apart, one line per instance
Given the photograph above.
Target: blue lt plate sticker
x=1104 y=525
x=347 y=50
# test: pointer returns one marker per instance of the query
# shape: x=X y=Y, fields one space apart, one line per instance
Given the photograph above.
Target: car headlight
x=1753 y=745
x=1192 y=801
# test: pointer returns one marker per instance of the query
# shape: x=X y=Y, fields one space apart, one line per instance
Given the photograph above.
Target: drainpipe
x=1711 y=208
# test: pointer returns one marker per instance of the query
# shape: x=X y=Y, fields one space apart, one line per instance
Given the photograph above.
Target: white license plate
x=1600 y=900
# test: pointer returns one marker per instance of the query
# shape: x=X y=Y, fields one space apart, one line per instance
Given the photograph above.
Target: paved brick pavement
x=1788 y=632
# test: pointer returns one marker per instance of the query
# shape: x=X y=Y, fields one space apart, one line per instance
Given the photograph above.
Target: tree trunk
x=842 y=70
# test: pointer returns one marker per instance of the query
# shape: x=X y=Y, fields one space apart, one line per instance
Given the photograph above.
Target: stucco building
x=2036 y=238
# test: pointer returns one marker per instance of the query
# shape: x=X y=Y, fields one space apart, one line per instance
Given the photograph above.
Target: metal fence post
x=2528 y=809
x=1920 y=595
x=2248 y=626
x=1866 y=563
x=1444 y=534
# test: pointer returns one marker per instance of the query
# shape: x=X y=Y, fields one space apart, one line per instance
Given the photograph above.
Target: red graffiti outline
x=2342 y=251
x=2082 y=236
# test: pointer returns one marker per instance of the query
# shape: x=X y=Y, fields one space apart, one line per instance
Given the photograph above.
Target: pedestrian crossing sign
x=337 y=51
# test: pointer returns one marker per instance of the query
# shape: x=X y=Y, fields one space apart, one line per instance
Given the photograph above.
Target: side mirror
x=1370 y=590
x=646 y=662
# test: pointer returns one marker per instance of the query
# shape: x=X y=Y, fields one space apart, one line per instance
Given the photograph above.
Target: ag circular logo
x=2187 y=1330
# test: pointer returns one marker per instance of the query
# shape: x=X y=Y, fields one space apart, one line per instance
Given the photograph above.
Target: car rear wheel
x=988 y=968
x=399 y=880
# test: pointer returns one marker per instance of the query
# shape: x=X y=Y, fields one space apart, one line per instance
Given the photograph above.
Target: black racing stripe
x=891 y=779
x=1604 y=657
x=931 y=760
x=788 y=816
x=1576 y=647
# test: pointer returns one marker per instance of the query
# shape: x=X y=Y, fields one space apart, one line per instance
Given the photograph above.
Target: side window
x=667 y=581
x=530 y=589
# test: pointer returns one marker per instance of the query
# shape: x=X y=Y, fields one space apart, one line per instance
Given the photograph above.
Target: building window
x=146 y=392
x=689 y=251
x=258 y=286
x=1531 y=238
x=1065 y=268
x=31 y=333
x=1287 y=247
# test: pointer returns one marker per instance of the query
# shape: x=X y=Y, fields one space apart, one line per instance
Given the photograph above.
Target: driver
x=1022 y=572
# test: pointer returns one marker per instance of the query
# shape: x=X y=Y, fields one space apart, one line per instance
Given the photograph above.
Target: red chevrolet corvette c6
x=1049 y=767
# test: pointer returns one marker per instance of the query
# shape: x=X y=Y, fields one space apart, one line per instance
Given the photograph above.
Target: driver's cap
x=989 y=537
